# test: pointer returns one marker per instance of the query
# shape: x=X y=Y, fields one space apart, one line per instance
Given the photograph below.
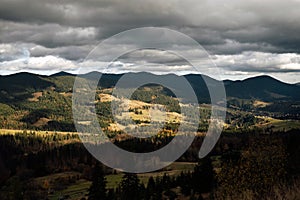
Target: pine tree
x=185 y=183
x=130 y=187
x=166 y=181
x=203 y=176
x=151 y=185
x=97 y=190
x=151 y=188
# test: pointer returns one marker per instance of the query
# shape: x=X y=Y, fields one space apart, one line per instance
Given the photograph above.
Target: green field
x=80 y=188
x=75 y=191
x=278 y=125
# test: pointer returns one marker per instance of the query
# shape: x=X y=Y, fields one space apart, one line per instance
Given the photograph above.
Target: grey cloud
x=152 y=56
x=260 y=62
x=12 y=51
x=49 y=35
x=31 y=11
x=75 y=53
x=235 y=47
x=69 y=29
x=254 y=24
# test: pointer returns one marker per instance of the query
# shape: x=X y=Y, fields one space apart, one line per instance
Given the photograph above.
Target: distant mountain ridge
x=264 y=88
x=62 y=73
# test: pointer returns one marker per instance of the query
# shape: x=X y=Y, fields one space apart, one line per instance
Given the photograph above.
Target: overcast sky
x=243 y=38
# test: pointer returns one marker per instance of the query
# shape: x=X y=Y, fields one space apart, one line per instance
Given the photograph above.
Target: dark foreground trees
x=203 y=176
x=260 y=167
x=97 y=190
x=131 y=187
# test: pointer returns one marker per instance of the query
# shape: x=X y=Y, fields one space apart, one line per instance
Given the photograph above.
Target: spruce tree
x=130 y=187
x=97 y=190
x=203 y=176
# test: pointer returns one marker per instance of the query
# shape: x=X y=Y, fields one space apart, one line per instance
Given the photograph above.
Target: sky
x=243 y=38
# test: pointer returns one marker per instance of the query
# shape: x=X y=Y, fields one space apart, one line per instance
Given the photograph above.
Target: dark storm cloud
x=31 y=11
x=247 y=36
x=152 y=56
x=253 y=25
x=48 y=35
x=69 y=52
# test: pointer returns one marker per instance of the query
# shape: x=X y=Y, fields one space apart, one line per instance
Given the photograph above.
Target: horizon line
x=121 y=73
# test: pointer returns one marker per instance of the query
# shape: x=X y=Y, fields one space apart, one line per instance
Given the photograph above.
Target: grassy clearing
x=113 y=180
x=278 y=125
x=80 y=188
x=172 y=170
x=75 y=191
x=39 y=133
x=35 y=97
x=286 y=125
x=260 y=104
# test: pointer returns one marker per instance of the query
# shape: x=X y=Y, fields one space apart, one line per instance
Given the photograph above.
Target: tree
x=184 y=181
x=97 y=190
x=203 y=176
x=261 y=166
x=130 y=187
x=166 y=182
x=150 y=190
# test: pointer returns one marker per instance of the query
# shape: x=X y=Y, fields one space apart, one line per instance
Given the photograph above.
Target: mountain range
x=264 y=88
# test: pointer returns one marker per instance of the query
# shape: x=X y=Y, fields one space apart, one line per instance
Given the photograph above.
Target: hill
x=62 y=73
x=30 y=101
x=264 y=88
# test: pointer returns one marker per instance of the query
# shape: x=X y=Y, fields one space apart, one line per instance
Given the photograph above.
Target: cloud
x=12 y=52
x=238 y=66
x=74 y=53
x=271 y=25
x=48 y=35
x=259 y=36
x=44 y=64
x=259 y=62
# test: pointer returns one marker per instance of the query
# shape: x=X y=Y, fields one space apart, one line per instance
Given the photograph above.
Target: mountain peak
x=265 y=78
x=62 y=73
